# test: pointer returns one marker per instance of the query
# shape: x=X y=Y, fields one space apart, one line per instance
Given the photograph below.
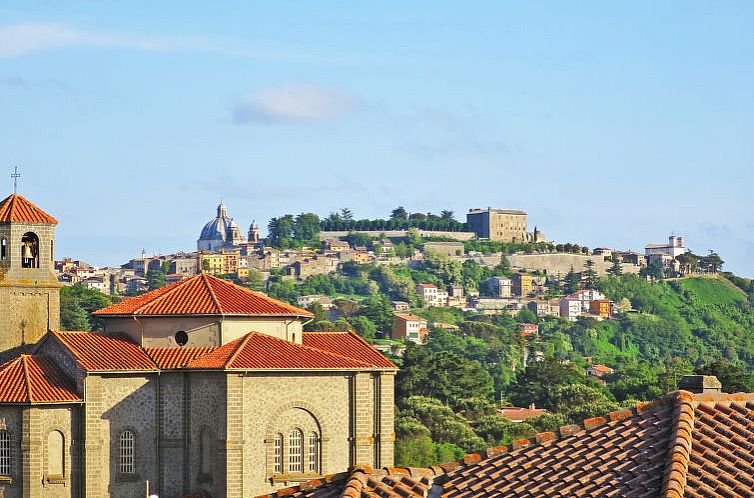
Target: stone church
x=199 y=386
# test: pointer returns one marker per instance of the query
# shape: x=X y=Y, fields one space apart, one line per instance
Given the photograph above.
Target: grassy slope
x=713 y=289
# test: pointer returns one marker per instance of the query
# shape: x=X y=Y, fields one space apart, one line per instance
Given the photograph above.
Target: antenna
x=15 y=175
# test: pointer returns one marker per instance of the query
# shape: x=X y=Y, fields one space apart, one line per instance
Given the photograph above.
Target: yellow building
x=602 y=308
x=523 y=285
x=222 y=262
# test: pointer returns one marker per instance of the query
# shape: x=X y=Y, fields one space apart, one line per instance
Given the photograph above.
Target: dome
x=218 y=232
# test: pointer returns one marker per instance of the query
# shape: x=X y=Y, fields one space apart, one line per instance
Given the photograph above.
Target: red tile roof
x=16 y=207
x=519 y=414
x=260 y=351
x=682 y=445
x=105 y=352
x=347 y=344
x=35 y=379
x=203 y=295
x=171 y=358
x=409 y=317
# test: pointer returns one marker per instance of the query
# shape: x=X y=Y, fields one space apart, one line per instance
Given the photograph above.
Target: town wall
x=554 y=264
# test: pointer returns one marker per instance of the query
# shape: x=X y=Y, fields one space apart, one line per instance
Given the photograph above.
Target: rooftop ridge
x=23 y=359
x=331 y=353
x=239 y=347
x=166 y=290
x=674 y=480
x=211 y=291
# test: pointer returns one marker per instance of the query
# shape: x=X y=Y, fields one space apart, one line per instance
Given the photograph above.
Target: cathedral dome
x=219 y=232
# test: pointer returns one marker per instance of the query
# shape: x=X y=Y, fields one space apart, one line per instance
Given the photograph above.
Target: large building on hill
x=199 y=386
x=502 y=225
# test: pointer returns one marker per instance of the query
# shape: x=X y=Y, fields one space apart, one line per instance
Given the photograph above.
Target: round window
x=181 y=338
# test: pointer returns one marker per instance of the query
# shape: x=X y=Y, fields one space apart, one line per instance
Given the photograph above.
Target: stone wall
x=555 y=263
x=114 y=404
x=394 y=234
x=29 y=428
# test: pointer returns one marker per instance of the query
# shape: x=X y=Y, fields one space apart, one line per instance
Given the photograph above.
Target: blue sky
x=610 y=124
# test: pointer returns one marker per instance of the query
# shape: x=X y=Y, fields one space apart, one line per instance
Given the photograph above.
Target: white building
x=673 y=248
x=585 y=298
x=570 y=308
x=431 y=295
x=501 y=286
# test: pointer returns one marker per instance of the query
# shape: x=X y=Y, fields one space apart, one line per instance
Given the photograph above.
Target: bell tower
x=29 y=289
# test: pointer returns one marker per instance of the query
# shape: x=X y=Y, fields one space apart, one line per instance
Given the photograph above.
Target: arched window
x=206 y=452
x=127 y=447
x=5 y=457
x=313 y=452
x=296 y=451
x=30 y=250
x=55 y=455
x=3 y=249
x=278 y=447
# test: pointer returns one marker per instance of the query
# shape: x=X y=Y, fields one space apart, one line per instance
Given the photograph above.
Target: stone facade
x=29 y=297
x=503 y=225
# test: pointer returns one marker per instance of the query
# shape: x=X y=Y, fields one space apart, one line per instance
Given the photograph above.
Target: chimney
x=700 y=384
x=532 y=407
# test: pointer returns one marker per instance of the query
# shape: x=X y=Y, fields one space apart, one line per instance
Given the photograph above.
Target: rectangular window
x=127 y=453
x=295 y=452
x=278 y=467
x=4 y=453
x=313 y=440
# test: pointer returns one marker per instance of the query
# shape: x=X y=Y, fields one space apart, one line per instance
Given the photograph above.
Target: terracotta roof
x=171 y=358
x=35 y=379
x=410 y=317
x=203 y=295
x=261 y=351
x=16 y=207
x=682 y=445
x=105 y=352
x=519 y=414
x=347 y=344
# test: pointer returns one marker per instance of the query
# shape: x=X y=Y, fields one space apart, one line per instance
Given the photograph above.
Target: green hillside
x=712 y=289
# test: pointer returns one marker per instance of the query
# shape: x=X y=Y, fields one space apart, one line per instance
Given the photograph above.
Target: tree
x=711 y=263
x=590 y=274
x=363 y=326
x=688 y=262
x=399 y=214
x=76 y=298
x=155 y=279
x=572 y=282
x=537 y=384
x=306 y=227
x=255 y=280
x=504 y=266
x=447 y=215
x=675 y=369
x=72 y=315
x=579 y=401
x=347 y=307
x=346 y=214
x=616 y=269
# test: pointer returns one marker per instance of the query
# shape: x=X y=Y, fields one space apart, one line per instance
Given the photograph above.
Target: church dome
x=219 y=232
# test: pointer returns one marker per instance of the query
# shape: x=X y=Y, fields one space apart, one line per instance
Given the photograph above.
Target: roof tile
x=16 y=208
x=203 y=294
x=35 y=380
x=105 y=352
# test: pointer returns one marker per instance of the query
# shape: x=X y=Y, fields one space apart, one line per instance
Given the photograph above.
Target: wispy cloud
x=25 y=38
x=19 y=83
x=292 y=104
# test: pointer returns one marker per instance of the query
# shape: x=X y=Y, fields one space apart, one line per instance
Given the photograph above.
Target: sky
x=611 y=123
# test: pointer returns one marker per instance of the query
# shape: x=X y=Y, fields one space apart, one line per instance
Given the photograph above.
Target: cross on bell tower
x=15 y=175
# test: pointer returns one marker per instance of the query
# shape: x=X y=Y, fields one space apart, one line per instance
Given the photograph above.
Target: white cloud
x=21 y=39
x=292 y=104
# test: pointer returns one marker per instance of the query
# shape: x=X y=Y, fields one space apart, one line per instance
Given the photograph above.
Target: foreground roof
x=202 y=295
x=17 y=208
x=698 y=446
x=35 y=380
x=256 y=351
x=97 y=352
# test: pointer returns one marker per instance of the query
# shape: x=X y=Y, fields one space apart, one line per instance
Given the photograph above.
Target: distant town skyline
x=610 y=125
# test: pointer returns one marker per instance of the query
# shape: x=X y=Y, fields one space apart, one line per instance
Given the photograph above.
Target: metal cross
x=15 y=175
